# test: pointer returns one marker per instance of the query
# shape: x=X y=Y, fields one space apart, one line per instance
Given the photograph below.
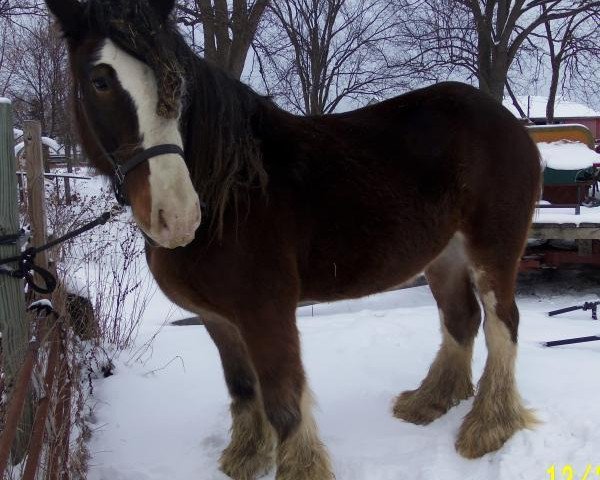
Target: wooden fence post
x=13 y=320
x=69 y=160
x=36 y=206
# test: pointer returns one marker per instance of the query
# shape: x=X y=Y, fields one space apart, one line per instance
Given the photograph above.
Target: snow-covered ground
x=164 y=414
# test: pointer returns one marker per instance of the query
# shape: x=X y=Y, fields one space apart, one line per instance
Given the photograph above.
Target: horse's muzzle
x=170 y=212
x=176 y=229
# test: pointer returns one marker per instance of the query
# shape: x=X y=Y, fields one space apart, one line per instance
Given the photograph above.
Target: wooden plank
x=15 y=410
x=38 y=433
x=584 y=247
x=59 y=445
x=59 y=175
x=13 y=321
x=546 y=231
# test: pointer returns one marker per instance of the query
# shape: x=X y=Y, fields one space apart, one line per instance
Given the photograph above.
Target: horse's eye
x=100 y=84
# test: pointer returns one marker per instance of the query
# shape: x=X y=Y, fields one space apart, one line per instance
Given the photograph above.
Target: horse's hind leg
x=251 y=451
x=498 y=411
x=449 y=378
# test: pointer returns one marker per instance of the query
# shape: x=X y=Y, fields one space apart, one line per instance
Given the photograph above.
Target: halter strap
x=120 y=170
x=124 y=168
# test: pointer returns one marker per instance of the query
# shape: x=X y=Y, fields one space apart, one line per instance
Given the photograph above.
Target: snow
x=536 y=108
x=566 y=155
x=166 y=416
x=567 y=215
x=49 y=142
x=5 y=100
x=41 y=303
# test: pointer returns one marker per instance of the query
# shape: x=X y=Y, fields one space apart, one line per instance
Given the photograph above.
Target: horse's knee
x=284 y=416
x=241 y=383
x=278 y=366
x=463 y=320
x=237 y=367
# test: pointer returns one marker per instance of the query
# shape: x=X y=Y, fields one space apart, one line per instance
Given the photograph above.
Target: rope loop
x=26 y=267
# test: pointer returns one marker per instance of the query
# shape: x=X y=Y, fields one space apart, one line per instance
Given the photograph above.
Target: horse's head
x=128 y=94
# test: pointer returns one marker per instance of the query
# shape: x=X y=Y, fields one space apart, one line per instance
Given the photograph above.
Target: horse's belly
x=356 y=266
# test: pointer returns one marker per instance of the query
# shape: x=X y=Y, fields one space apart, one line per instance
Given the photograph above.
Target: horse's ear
x=69 y=14
x=163 y=7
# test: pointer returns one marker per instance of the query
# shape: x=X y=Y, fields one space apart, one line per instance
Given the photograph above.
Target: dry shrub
x=104 y=286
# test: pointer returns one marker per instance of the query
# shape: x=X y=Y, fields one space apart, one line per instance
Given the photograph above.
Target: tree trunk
x=493 y=79
x=221 y=49
x=552 y=93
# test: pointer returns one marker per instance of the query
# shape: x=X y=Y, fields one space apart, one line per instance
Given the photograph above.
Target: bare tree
x=40 y=84
x=14 y=15
x=227 y=32
x=483 y=37
x=573 y=47
x=8 y=64
x=318 y=53
x=12 y=10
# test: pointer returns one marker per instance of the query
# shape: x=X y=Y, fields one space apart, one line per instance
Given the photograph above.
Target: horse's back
x=397 y=180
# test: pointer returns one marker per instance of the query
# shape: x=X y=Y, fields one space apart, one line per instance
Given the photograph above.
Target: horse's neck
x=240 y=111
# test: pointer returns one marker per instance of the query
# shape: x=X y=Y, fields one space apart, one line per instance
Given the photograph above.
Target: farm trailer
x=566 y=225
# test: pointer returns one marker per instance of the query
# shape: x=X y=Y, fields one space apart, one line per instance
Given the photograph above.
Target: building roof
x=536 y=108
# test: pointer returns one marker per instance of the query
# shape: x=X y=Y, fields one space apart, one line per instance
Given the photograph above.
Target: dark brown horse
x=441 y=180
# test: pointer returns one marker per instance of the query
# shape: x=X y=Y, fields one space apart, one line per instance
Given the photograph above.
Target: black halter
x=122 y=169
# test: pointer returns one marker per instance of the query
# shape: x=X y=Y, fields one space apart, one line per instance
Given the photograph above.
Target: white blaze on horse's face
x=175 y=209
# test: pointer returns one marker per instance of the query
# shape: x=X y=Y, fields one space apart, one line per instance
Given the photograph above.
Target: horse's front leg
x=274 y=347
x=251 y=451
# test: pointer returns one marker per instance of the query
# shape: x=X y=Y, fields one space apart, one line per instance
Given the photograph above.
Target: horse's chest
x=177 y=280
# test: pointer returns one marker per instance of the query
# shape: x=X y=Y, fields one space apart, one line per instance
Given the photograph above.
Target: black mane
x=221 y=120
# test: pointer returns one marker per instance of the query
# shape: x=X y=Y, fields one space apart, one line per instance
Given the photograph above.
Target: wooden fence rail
x=56 y=176
x=47 y=403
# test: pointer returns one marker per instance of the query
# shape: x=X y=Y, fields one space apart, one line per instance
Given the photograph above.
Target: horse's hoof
x=246 y=466
x=305 y=462
x=320 y=469
x=423 y=407
x=478 y=437
x=410 y=407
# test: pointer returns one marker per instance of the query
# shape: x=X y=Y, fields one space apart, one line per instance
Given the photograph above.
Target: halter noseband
x=122 y=169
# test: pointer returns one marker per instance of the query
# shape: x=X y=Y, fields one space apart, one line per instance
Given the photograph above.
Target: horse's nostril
x=161 y=219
